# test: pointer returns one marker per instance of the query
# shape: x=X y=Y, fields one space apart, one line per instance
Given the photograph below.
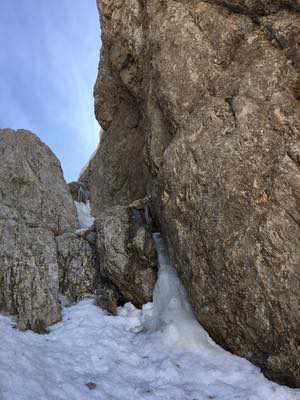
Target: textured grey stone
x=35 y=206
x=206 y=94
x=78 y=266
x=127 y=254
x=108 y=298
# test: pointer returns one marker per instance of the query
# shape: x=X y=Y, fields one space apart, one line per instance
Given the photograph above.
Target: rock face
x=29 y=272
x=117 y=174
x=108 y=297
x=127 y=257
x=35 y=206
x=77 y=260
x=199 y=102
x=42 y=253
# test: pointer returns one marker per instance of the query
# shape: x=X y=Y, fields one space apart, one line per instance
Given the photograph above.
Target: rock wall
x=78 y=266
x=199 y=102
x=117 y=175
x=127 y=254
x=37 y=218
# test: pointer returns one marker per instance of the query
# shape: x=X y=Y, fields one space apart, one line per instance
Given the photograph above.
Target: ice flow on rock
x=171 y=309
x=85 y=217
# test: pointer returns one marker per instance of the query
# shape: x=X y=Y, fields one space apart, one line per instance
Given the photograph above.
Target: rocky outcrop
x=108 y=297
x=28 y=273
x=78 y=266
x=199 y=102
x=117 y=174
x=42 y=252
x=35 y=206
x=127 y=257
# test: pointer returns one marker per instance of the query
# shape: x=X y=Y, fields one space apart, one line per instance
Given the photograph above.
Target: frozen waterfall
x=84 y=214
x=167 y=356
x=171 y=310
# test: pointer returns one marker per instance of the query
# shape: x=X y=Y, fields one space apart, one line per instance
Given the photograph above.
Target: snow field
x=89 y=346
x=158 y=353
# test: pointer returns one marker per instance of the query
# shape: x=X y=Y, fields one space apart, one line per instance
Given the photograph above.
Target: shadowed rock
x=127 y=254
x=78 y=266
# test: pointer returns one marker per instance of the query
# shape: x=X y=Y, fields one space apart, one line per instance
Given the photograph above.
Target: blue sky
x=49 y=53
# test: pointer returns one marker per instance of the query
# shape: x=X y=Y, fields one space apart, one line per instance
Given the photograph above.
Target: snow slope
x=158 y=353
x=90 y=346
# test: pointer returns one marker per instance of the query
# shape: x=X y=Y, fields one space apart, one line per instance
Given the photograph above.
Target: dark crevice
x=272 y=36
x=293 y=7
x=243 y=10
x=295 y=157
x=237 y=9
x=229 y=101
x=297 y=221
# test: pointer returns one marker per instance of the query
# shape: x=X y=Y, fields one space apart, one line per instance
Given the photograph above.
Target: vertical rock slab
x=211 y=90
x=117 y=174
x=35 y=206
x=228 y=197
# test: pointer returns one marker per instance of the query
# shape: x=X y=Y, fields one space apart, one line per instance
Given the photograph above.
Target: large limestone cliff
x=43 y=253
x=199 y=103
x=40 y=252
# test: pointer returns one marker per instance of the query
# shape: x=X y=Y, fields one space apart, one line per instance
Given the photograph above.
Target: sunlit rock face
x=117 y=174
x=199 y=102
x=35 y=207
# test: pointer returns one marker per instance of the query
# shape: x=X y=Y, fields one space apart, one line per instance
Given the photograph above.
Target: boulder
x=29 y=272
x=117 y=174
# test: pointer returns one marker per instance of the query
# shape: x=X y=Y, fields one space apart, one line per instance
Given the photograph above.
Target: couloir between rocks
x=199 y=105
